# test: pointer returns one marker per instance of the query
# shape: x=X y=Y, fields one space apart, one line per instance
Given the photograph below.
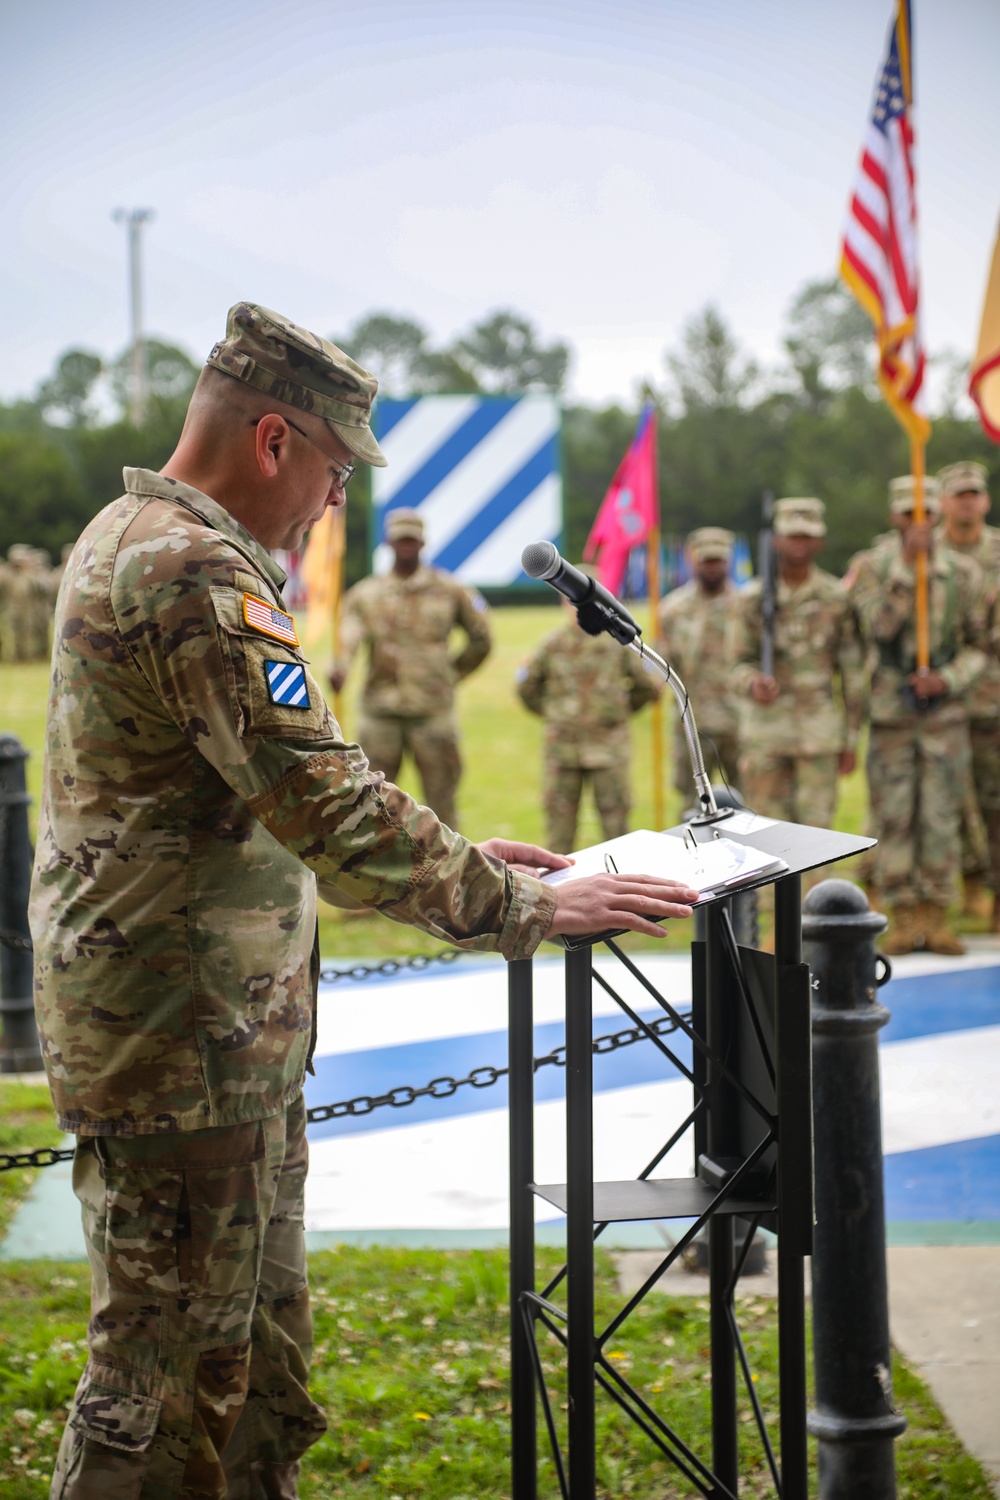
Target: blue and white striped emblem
x=483 y=471
x=286 y=682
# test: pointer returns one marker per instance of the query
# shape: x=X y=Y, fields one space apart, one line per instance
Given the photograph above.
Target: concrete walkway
x=944 y=1317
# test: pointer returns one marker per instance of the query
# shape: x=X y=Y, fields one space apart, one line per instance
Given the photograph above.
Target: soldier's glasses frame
x=342 y=472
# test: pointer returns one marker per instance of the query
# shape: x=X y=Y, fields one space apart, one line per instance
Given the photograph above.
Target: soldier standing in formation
x=692 y=622
x=406 y=619
x=965 y=502
x=26 y=604
x=585 y=687
x=798 y=729
x=918 y=753
x=197 y=791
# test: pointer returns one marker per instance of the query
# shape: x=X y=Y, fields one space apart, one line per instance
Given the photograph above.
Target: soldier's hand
x=918 y=539
x=928 y=684
x=337 y=677
x=635 y=902
x=529 y=859
x=846 y=762
x=763 y=689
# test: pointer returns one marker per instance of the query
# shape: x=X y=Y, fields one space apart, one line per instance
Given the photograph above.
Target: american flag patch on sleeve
x=262 y=616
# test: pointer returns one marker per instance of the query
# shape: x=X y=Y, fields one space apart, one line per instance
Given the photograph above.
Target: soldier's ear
x=271 y=437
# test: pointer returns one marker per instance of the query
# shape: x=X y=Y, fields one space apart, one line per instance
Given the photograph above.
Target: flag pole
x=653 y=584
x=921 y=623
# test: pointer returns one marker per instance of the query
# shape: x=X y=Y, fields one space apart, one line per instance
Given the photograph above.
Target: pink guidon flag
x=630 y=510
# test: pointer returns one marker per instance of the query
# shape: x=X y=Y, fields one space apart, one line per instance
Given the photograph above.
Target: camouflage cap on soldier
x=404 y=523
x=295 y=366
x=711 y=542
x=800 y=516
x=969 y=475
x=20 y=552
x=901 y=495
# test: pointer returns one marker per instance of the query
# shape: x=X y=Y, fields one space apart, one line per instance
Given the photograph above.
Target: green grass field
x=501 y=789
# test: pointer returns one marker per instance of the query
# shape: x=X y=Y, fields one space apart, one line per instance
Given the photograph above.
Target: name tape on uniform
x=262 y=616
x=286 y=683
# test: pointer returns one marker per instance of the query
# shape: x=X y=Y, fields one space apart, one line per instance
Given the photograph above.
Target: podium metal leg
x=793 y=1233
x=520 y=1059
x=580 y=1226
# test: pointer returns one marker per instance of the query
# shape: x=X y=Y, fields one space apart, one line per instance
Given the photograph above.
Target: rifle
x=767 y=566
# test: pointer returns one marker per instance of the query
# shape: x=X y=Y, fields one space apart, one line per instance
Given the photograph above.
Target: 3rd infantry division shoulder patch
x=286 y=683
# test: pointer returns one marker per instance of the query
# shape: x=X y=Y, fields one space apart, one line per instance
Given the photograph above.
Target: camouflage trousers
x=981 y=809
x=728 y=753
x=200 y=1332
x=795 y=788
x=562 y=793
x=916 y=776
x=433 y=744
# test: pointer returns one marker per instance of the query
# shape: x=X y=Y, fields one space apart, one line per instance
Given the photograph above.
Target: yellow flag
x=323 y=573
x=984 y=382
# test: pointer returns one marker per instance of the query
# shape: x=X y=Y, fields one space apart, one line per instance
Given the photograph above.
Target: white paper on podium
x=718 y=865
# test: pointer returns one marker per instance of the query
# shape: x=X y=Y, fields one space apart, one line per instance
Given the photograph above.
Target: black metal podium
x=750 y=1126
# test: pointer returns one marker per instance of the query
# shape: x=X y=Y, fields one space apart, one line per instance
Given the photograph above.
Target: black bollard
x=854 y=1420
x=19 y=1051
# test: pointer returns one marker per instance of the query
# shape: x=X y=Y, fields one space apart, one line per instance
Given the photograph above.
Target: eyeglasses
x=342 y=472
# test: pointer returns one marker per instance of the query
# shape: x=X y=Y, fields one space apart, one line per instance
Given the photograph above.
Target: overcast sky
x=607 y=169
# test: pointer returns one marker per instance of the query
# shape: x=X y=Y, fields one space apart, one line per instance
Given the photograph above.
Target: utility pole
x=138 y=384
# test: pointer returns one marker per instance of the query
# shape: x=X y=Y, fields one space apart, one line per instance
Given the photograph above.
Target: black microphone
x=597 y=609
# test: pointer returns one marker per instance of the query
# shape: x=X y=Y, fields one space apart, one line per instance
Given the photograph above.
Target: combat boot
x=905 y=931
x=938 y=936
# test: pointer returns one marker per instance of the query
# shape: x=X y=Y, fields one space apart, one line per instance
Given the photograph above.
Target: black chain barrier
x=16 y=940
x=400 y=1097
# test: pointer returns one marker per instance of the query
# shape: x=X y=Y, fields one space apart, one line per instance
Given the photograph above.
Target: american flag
x=879 y=255
x=274 y=622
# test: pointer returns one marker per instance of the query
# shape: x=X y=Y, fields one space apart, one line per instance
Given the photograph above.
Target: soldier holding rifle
x=801 y=683
x=692 y=628
x=965 y=503
x=918 y=753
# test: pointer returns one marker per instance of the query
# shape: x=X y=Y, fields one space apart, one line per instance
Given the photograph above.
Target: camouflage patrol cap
x=800 y=516
x=901 y=495
x=20 y=552
x=402 y=523
x=710 y=542
x=954 y=478
x=298 y=367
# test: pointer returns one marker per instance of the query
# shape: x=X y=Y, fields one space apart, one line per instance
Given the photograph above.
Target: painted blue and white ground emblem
x=436 y=1171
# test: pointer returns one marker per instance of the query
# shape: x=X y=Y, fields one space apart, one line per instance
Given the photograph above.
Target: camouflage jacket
x=693 y=636
x=406 y=624
x=958 y=623
x=196 y=787
x=818 y=665
x=983 y=699
x=585 y=687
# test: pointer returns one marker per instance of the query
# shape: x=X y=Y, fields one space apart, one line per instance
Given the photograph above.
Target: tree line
x=728 y=430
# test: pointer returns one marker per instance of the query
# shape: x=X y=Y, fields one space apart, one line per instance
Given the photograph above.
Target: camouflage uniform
x=409 y=693
x=790 y=748
x=918 y=759
x=981 y=856
x=585 y=687
x=693 y=635
x=197 y=790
